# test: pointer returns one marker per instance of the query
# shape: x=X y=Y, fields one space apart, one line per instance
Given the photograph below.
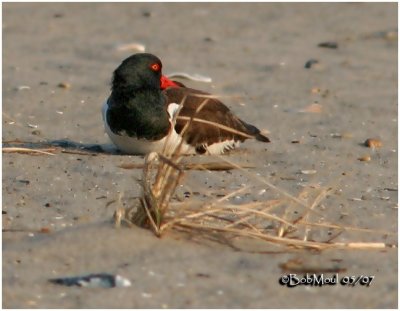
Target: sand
x=57 y=215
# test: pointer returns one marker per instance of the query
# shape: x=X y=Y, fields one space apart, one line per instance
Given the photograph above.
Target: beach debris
x=373 y=143
x=365 y=158
x=28 y=150
x=389 y=35
x=262 y=191
x=328 y=45
x=64 y=85
x=322 y=92
x=193 y=77
x=315 y=90
x=24 y=181
x=209 y=39
x=342 y=135
x=134 y=46
x=146 y=13
x=103 y=280
x=308 y=172
x=23 y=87
x=312 y=108
x=310 y=63
x=44 y=230
x=34 y=126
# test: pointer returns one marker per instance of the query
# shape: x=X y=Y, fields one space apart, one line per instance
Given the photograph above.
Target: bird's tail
x=252 y=130
x=261 y=137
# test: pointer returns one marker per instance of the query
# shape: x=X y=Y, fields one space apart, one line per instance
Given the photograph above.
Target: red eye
x=155 y=67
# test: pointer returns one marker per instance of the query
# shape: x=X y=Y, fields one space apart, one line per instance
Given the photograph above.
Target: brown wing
x=210 y=121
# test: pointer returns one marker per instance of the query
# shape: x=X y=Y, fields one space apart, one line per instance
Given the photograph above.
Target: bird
x=148 y=112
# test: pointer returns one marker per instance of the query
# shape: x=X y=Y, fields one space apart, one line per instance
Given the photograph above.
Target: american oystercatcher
x=148 y=112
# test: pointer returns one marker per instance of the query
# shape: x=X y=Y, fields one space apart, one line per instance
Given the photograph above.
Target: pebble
x=365 y=158
x=373 y=143
x=44 y=230
x=209 y=39
x=310 y=63
x=146 y=14
x=328 y=45
x=315 y=90
x=64 y=85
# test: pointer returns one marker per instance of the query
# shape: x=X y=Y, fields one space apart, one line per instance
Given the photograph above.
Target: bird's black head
x=142 y=70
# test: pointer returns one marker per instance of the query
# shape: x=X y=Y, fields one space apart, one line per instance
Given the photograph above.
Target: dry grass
x=48 y=151
x=270 y=221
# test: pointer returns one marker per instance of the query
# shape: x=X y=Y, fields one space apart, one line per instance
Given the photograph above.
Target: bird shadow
x=70 y=146
x=65 y=145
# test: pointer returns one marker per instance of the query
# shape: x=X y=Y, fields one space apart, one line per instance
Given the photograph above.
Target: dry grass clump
x=272 y=221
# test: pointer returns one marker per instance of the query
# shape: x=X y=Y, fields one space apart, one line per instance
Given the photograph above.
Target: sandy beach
x=318 y=104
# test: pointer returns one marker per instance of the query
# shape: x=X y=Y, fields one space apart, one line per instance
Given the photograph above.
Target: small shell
x=23 y=87
x=64 y=85
x=312 y=108
x=373 y=143
x=308 y=172
x=365 y=158
x=315 y=90
x=135 y=46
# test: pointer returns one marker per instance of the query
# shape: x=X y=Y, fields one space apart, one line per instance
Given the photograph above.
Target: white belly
x=132 y=145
